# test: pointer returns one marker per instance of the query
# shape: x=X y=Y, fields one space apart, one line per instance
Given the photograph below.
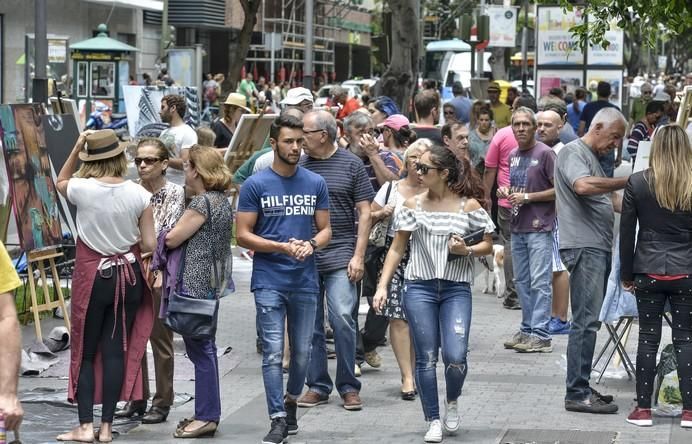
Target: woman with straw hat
x=112 y=314
x=225 y=126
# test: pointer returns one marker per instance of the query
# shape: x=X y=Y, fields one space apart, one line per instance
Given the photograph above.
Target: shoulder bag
x=192 y=317
x=375 y=250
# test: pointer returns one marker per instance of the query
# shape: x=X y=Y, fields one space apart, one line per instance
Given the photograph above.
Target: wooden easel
x=35 y=259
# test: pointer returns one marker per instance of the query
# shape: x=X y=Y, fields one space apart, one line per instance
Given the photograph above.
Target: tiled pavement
x=504 y=390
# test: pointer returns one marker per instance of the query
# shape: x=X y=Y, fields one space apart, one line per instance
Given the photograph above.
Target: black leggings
x=98 y=330
x=651 y=298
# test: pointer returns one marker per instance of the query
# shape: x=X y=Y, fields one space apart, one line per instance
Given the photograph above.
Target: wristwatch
x=526 y=198
x=313 y=243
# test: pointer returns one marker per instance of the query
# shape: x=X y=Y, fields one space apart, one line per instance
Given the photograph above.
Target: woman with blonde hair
x=391 y=196
x=112 y=313
x=206 y=228
x=659 y=267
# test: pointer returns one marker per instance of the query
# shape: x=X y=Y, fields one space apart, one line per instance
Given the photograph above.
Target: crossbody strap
x=386 y=201
x=213 y=249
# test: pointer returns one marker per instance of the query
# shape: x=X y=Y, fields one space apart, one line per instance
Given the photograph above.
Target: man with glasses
x=341 y=264
x=639 y=104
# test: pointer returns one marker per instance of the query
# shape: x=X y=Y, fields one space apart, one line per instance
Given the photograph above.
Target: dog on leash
x=494 y=271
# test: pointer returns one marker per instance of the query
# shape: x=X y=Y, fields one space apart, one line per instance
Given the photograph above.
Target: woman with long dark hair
x=659 y=267
x=439 y=274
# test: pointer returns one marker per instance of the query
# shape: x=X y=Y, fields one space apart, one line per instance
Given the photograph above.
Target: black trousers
x=103 y=328
x=652 y=295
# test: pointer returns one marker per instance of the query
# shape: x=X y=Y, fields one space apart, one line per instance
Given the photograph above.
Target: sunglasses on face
x=423 y=168
x=146 y=160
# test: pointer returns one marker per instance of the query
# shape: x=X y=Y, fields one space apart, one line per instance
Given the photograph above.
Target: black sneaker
x=605 y=398
x=291 y=408
x=511 y=304
x=592 y=405
x=278 y=433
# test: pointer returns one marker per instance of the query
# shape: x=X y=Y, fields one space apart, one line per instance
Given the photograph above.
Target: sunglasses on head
x=423 y=168
x=146 y=160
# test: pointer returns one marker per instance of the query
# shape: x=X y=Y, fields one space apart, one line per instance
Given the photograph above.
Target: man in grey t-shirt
x=585 y=216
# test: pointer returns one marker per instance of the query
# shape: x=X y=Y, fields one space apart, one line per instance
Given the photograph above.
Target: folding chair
x=616 y=334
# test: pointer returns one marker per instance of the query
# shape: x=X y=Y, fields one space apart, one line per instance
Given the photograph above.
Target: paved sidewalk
x=504 y=390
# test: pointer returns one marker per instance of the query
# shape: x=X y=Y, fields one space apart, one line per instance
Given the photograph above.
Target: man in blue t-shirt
x=532 y=196
x=341 y=264
x=277 y=210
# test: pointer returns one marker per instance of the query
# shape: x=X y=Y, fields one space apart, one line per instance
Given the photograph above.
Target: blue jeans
x=532 y=258
x=202 y=353
x=341 y=297
x=439 y=315
x=588 y=275
x=273 y=309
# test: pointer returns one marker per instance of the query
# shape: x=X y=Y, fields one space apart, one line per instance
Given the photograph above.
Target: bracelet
x=470 y=251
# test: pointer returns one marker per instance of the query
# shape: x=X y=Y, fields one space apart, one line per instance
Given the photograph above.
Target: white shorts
x=557 y=262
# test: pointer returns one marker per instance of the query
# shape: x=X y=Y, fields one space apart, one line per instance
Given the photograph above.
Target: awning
x=150 y=5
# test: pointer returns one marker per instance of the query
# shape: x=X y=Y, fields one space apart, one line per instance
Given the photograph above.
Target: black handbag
x=191 y=317
x=373 y=254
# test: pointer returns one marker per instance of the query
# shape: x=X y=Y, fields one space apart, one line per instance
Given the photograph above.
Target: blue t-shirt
x=285 y=208
x=348 y=184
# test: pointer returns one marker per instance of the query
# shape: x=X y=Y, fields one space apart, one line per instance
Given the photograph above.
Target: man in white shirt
x=178 y=137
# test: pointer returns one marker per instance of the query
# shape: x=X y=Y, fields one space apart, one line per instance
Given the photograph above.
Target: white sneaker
x=434 y=433
x=451 y=418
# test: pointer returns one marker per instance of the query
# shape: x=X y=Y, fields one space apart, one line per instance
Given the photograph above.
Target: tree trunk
x=238 y=52
x=399 y=80
x=498 y=65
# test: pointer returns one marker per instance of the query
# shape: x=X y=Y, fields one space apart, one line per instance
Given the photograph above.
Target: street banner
x=555 y=45
x=503 y=26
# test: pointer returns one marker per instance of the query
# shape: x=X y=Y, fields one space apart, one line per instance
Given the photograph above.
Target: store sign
x=554 y=42
x=503 y=26
x=98 y=56
x=348 y=25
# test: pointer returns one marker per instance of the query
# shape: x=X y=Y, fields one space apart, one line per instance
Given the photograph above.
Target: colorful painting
x=34 y=197
x=143 y=103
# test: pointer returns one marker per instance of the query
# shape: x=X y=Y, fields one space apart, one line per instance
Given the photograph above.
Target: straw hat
x=237 y=99
x=101 y=144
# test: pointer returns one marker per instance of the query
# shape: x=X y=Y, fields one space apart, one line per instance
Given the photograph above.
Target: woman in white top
x=437 y=301
x=112 y=311
x=382 y=210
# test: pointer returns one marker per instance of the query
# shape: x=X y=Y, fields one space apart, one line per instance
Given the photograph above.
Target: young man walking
x=276 y=213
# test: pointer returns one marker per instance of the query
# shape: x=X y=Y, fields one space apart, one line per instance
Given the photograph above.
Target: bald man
x=548 y=131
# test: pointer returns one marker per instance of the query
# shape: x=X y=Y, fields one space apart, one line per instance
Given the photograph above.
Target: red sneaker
x=686 y=420
x=640 y=417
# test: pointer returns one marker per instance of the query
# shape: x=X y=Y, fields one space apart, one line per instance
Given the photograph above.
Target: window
x=102 y=79
x=82 y=79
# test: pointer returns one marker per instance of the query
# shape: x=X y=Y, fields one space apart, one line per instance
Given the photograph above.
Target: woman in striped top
x=437 y=301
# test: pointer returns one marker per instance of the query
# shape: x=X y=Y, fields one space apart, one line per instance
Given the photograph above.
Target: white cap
x=295 y=96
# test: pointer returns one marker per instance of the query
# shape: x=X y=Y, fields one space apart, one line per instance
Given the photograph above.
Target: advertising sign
x=612 y=76
x=569 y=80
x=554 y=42
x=611 y=55
x=503 y=26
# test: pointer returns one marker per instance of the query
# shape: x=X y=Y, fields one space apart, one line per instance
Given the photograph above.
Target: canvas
x=142 y=105
x=34 y=197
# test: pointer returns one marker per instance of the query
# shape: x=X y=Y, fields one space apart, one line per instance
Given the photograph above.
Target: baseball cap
x=395 y=122
x=295 y=96
x=493 y=86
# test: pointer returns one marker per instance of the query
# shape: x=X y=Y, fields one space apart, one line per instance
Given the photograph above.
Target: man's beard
x=286 y=160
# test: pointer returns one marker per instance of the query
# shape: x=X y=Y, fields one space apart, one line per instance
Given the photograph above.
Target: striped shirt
x=430 y=233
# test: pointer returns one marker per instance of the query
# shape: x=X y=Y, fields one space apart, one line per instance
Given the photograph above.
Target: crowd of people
x=366 y=203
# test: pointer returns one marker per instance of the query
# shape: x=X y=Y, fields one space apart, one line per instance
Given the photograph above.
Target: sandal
x=183 y=423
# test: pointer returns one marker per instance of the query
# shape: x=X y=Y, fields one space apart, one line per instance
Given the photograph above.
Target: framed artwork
x=567 y=79
x=685 y=110
x=34 y=197
x=612 y=76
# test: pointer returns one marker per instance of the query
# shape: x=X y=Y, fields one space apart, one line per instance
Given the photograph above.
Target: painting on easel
x=34 y=197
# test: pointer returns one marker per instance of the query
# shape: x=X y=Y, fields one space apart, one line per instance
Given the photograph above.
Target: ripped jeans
x=297 y=310
x=439 y=316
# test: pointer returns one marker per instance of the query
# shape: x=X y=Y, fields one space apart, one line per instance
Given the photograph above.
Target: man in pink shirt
x=497 y=168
